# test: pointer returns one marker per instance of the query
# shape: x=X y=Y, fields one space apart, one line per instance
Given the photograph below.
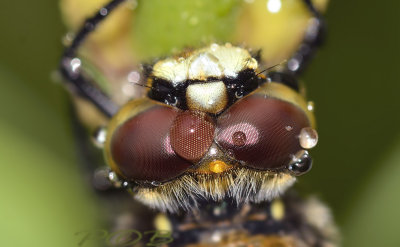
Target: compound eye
x=261 y=132
x=141 y=147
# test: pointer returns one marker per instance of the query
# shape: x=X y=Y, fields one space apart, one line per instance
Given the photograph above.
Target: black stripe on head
x=246 y=82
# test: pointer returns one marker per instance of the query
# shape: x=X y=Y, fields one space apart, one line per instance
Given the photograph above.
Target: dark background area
x=353 y=81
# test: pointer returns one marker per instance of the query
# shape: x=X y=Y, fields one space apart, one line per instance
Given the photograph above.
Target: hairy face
x=211 y=128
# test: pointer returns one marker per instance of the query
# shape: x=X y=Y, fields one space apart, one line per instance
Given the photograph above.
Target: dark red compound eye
x=262 y=132
x=141 y=147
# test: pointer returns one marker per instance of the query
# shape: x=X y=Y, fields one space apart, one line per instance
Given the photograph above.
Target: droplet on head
x=155 y=183
x=214 y=47
x=239 y=138
x=125 y=184
x=99 y=137
x=301 y=163
x=213 y=151
x=310 y=106
x=308 y=138
x=288 y=128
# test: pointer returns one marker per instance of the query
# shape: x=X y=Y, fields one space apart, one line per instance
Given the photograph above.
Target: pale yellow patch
x=216 y=61
x=162 y=223
x=277 y=209
x=209 y=97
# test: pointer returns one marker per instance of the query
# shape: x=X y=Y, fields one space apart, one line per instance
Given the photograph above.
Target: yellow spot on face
x=218 y=166
x=277 y=209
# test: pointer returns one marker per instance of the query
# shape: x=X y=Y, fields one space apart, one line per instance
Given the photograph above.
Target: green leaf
x=373 y=218
x=164 y=26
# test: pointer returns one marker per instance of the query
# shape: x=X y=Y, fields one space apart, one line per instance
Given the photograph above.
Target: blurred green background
x=354 y=82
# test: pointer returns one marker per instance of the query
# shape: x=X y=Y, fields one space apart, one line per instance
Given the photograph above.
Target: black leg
x=70 y=65
x=312 y=40
x=311 y=7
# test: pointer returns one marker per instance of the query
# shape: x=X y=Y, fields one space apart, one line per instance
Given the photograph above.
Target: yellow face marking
x=218 y=166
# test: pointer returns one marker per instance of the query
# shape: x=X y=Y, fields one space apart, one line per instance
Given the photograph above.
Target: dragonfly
x=208 y=132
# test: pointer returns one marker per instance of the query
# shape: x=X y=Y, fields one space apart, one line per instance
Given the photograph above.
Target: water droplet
x=103 y=11
x=310 y=106
x=125 y=184
x=68 y=38
x=308 y=138
x=214 y=47
x=75 y=65
x=155 y=183
x=213 y=151
x=239 y=138
x=99 y=137
x=112 y=176
x=301 y=163
x=289 y=128
x=294 y=64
